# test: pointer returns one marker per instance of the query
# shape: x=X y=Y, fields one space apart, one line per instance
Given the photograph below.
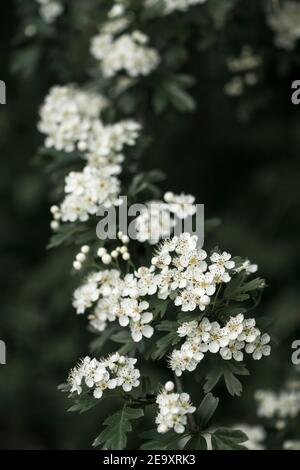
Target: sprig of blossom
x=282 y=405
x=86 y=191
x=173 y=410
x=66 y=116
x=285 y=22
x=158 y=219
x=107 y=374
x=118 y=299
x=185 y=272
x=237 y=336
x=127 y=53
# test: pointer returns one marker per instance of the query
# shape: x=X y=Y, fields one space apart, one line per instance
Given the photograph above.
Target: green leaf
x=207 y=409
x=83 y=403
x=65 y=235
x=228 y=439
x=196 y=443
x=180 y=99
x=163 y=345
x=98 y=343
x=114 y=436
x=228 y=370
x=155 y=441
x=212 y=378
x=158 y=307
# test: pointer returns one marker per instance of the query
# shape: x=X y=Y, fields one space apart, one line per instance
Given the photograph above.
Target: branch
x=194 y=428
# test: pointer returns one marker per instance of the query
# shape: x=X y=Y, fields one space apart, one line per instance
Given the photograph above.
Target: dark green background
x=239 y=157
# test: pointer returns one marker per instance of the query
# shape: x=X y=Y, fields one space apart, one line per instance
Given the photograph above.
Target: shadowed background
x=239 y=157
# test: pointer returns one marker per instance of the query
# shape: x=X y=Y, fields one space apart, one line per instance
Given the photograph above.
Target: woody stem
x=191 y=420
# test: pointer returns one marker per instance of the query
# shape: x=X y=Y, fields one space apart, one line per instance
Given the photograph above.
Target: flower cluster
x=50 y=10
x=173 y=5
x=238 y=335
x=244 y=70
x=158 y=219
x=117 y=300
x=173 y=410
x=185 y=271
x=285 y=22
x=70 y=120
x=110 y=373
x=86 y=191
x=67 y=115
x=283 y=405
x=127 y=52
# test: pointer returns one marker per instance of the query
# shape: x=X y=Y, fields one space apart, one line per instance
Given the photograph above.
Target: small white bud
x=101 y=252
x=125 y=239
x=205 y=300
x=54 y=225
x=77 y=265
x=85 y=249
x=169 y=386
x=80 y=257
x=106 y=258
x=114 y=254
x=120 y=235
x=123 y=249
x=126 y=256
x=168 y=196
x=54 y=209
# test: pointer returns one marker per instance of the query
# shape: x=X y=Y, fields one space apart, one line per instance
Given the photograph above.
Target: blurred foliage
x=239 y=156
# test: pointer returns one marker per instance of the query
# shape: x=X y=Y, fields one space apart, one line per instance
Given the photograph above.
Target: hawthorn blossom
x=173 y=410
x=127 y=52
x=110 y=373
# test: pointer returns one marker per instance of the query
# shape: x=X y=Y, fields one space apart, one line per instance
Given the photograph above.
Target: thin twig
x=191 y=420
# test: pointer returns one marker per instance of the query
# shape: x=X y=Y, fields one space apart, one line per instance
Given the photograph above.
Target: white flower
x=235 y=326
x=147 y=284
x=140 y=328
x=259 y=347
x=233 y=350
x=181 y=205
x=285 y=22
x=124 y=53
x=115 y=371
x=249 y=332
x=84 y=296
x=219 y=274
x=173 y=411
x=67 y=115
x=223 y=260
x=285 y=404
x=154 y=223
x=248 y=267
x=218 y=338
